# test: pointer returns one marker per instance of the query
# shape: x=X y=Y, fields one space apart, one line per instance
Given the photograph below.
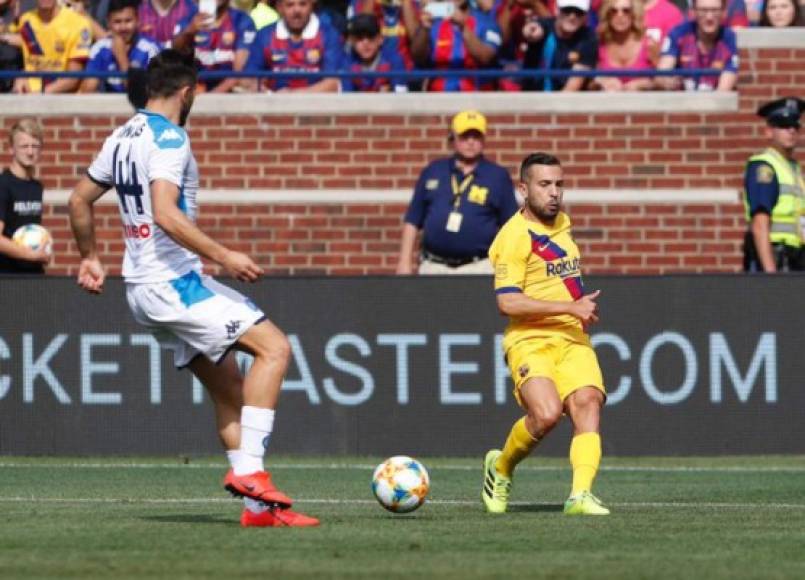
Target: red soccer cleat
x=257 y=486
x=276 y=518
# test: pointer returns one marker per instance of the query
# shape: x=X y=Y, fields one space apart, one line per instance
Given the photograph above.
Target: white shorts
x=193 y=315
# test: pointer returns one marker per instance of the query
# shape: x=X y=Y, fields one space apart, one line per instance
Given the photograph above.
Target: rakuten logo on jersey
x=137 y=232
x=563 y=268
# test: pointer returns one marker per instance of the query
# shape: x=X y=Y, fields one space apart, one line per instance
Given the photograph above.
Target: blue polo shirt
x=486 y=202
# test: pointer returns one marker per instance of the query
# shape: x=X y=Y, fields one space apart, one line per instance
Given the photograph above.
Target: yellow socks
x=518 y=445
x=585 y=456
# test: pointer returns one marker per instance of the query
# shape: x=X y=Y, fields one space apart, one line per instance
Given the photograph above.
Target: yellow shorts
x=570 y=365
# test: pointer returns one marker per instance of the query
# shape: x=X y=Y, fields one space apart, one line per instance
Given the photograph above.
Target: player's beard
x=544 y=213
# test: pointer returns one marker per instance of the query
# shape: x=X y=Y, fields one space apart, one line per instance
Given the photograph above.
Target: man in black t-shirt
x=561 y=43
x=21 y=199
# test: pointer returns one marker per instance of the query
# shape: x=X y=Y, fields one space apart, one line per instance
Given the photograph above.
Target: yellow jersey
x=544 y=263
x=49 y=46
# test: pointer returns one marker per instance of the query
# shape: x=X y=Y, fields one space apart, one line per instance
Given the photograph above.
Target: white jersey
x=146 y=148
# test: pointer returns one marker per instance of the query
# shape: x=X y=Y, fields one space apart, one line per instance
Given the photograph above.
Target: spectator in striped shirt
x=461 y=38
x=703 y=43
x=160 y=19
x=366 y=52
x=300 y=41
x=221 y=42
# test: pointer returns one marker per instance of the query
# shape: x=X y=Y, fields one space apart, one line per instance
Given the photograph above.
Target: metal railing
x=407 y=75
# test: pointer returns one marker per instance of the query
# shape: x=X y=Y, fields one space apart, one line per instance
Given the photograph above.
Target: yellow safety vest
x=790 y=207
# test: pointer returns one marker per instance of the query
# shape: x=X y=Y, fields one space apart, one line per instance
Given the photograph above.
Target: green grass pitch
x=169 y=518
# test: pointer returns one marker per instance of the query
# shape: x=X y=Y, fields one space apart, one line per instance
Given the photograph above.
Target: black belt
x=787 y=258
x=451 y=262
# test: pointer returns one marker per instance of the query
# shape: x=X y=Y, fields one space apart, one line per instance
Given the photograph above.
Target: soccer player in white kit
x=148 y=161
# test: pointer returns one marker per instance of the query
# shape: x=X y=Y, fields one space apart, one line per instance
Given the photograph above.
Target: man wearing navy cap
x=774 y=194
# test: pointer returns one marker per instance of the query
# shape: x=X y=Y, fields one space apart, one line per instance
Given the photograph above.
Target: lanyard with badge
x=455 y=217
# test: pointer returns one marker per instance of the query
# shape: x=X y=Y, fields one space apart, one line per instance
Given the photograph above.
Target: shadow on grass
x=535 y=507
x=191 y=519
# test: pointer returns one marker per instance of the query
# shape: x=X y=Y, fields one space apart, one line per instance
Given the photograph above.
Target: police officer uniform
x=460 y=214
x=774 y=185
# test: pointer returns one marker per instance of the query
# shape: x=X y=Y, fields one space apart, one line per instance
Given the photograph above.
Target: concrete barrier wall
x=317 y=184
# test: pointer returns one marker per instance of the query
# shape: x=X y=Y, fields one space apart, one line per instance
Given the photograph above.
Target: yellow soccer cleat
x=585 y=504
x=496 y=488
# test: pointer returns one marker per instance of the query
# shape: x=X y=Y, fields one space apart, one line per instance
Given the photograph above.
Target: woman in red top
x=622 y=44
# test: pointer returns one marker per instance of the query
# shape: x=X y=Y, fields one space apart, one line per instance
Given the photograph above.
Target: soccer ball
x=34 y=237
x=400 y=484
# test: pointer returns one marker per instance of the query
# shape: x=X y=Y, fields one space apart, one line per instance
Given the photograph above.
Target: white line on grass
x=460 y=502
x=366 y=466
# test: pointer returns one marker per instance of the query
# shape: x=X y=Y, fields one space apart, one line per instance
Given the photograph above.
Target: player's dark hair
x=536 y=159
x=169 y=72
x=118 y=5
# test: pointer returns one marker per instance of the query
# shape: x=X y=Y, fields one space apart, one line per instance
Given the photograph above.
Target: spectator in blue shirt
x=365 y=53
x=124 y=49
x=459 y=204
x=299 y=42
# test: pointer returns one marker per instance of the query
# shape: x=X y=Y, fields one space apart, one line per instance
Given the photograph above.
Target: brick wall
x=696 y=143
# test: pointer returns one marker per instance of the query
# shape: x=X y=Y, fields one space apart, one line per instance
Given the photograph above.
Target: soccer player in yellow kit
x=538 y=285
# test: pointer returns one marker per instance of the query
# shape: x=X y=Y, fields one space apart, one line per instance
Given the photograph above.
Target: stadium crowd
x=387 y=36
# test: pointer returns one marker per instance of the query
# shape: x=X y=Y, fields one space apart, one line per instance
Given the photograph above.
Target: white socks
x=253 y=505
x=255 y=431
x=256 y=425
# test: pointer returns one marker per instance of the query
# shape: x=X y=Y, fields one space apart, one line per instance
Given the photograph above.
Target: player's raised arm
x=168 y=216
x=91 y=274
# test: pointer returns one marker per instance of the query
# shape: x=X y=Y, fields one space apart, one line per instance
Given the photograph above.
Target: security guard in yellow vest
x=774 y=194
